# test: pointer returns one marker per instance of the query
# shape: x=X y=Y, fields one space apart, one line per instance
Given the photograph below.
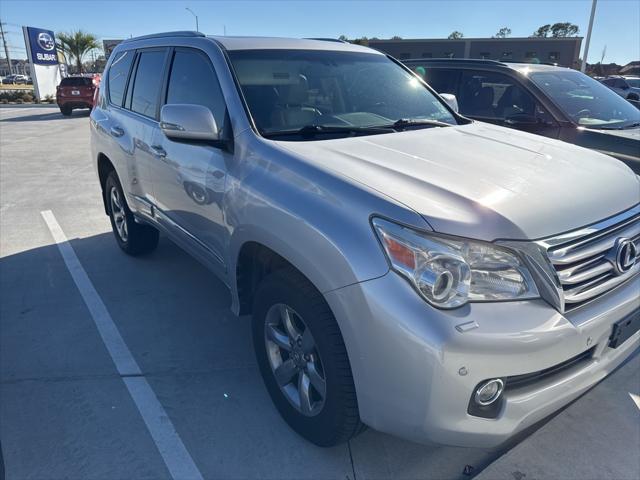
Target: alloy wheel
x=119 y=214
x=294 y=360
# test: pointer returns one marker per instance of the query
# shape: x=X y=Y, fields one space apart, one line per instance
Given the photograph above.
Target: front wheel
x=132 y=237
x=303 y=359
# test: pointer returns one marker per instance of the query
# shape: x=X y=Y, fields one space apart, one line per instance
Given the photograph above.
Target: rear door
x=189 y=177
x=134 y=100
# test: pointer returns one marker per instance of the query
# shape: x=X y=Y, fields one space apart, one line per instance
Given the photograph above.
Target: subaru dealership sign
x=43 y=56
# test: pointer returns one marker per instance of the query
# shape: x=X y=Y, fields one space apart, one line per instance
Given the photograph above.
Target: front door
x=189 y=177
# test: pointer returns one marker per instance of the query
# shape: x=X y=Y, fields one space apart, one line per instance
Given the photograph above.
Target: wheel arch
x=105 y=167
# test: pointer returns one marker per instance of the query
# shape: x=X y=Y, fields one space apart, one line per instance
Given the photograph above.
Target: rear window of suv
x=75 y=82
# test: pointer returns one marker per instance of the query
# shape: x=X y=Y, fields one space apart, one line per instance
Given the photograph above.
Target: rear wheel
x=132 y=237
x=303 y=359
x=66 y=111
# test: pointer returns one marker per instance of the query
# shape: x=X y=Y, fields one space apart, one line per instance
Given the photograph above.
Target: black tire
x=66 y=111
x=633 y=96
x=139 y=238
x=338 y=420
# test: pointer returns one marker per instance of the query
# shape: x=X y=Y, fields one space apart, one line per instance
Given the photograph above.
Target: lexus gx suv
x=405 y=267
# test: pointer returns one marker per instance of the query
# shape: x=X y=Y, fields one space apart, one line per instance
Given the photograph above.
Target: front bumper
x=407 y=358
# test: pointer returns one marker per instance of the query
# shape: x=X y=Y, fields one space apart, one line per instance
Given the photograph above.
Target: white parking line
x=174 y=453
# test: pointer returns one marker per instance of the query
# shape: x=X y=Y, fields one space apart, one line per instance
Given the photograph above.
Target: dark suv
x=547 y=100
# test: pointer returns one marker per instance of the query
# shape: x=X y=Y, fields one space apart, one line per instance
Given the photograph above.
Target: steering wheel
x=585 y=112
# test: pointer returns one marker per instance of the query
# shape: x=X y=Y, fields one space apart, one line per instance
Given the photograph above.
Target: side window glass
x=493 y=95
x=442 y=81
x=118 y=74
x=148 y=81
x=193 y=81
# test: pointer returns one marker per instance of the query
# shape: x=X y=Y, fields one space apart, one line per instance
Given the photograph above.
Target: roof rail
x=327 y=39
x=461 y=60
x=531 y=63
x=179 y=33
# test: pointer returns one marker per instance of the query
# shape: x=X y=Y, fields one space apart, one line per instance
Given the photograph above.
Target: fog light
x=489 y=392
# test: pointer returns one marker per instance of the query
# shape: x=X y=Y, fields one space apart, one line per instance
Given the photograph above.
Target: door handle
x=158 y=151
x=117 y=131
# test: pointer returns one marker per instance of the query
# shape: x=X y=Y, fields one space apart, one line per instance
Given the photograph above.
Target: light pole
x=588 y=40
x=6 y=49
x=194 y=14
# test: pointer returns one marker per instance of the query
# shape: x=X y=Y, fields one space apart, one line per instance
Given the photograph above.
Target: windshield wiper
x=313 y=130
x=417 y=122
x=604 y=127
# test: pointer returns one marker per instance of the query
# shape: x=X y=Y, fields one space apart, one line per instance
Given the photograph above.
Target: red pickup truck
x=76 y=92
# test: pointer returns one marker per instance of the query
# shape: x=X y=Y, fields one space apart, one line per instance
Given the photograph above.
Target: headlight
x=451 y=272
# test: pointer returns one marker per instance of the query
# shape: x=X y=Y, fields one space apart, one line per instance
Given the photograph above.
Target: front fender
x=316 y=220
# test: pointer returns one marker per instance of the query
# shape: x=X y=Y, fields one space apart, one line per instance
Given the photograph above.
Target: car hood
x=483 y=181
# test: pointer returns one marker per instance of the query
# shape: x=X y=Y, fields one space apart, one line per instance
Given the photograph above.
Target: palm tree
x=76 y=45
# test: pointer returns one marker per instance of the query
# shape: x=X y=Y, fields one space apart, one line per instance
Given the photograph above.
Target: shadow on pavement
x=174 y=316
x=45 y=117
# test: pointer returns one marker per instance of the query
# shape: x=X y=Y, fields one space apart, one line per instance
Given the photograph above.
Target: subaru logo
x=46 y=41
x=626 y=255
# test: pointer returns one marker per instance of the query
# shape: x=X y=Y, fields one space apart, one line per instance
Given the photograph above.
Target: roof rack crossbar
x=179 y=33
x=461 y=60
x=338 y=40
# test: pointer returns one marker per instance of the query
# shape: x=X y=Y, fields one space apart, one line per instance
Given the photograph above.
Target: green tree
x=560 y=29
x=543 y=31
x=396 y=37
x=455 y=35
x=75 y=45
x=565 y=29
x=343 y=38
x=504 y=32
x=364 y=41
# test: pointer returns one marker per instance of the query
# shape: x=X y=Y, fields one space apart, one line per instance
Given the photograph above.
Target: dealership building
x=563 y=51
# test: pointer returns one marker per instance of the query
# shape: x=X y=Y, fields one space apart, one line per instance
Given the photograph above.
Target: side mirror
x=188 y=122
x=521 y=120
x=451 y=100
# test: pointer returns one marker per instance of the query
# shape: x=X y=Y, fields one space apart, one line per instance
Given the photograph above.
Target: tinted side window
x=192 y=80
x=493 y=95
x=75 y=82
x=146 y=88
x=118 y=73
x=442 y=81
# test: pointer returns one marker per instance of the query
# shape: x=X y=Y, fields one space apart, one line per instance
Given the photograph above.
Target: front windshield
x=585 y=100
x=287 y=90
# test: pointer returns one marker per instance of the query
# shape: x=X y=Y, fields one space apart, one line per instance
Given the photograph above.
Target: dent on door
x=189 y=184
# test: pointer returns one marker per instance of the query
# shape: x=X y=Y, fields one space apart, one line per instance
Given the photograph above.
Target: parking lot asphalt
x=65 y=410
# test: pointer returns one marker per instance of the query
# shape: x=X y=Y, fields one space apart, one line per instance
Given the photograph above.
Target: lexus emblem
x=626 y=255
x=46 y=41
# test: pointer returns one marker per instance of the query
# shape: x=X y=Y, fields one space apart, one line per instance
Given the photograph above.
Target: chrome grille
x=585 y=259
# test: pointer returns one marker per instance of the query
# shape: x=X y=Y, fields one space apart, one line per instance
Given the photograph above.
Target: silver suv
x=405 y=267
